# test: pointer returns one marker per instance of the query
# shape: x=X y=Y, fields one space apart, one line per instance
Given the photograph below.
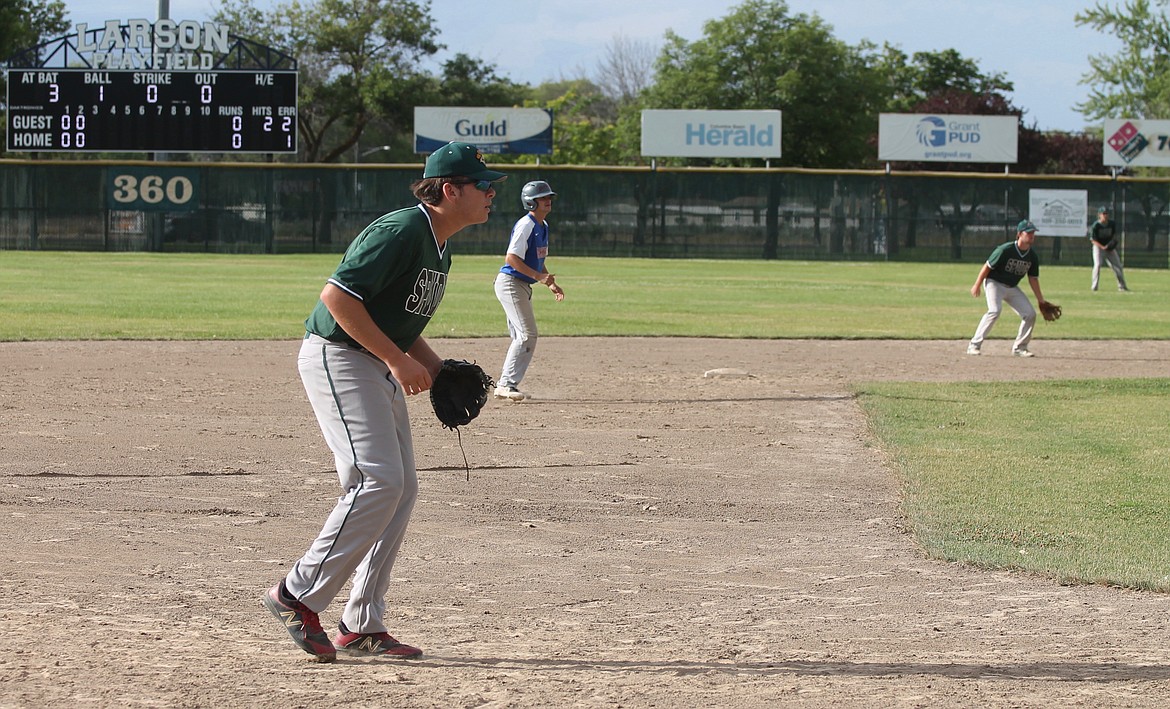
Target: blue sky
x=1035 y=42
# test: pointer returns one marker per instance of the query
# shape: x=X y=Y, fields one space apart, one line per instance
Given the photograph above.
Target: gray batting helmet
x=532 y=190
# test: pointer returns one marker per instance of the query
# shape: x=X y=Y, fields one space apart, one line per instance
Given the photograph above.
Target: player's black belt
x=343 y=343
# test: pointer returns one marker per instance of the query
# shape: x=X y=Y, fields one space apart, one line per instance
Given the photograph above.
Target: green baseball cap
x=1103 y=210
x=460 y=160
x=1026 y=226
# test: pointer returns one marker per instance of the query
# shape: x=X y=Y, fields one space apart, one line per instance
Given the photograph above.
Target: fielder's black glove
x=459 y=392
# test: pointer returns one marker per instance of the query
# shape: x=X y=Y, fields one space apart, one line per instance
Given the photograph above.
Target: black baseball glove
x=459 y=392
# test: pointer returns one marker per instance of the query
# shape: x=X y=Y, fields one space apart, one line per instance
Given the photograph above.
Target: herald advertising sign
x=711 y=134
x=1131 y=141
x=916 y=137
x=526 y=131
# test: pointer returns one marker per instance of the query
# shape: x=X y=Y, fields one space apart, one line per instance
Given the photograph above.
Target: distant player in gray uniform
x=524 y=266
x=1000 y=277
x=1103 y=237
x=363 y=353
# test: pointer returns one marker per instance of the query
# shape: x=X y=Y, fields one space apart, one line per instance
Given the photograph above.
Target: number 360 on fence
x=153 y=189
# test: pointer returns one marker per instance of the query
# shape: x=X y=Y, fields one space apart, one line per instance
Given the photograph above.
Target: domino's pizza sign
x=1130 y=141
x=948 y=138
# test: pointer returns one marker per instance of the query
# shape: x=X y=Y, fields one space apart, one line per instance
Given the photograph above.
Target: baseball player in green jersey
x=1103 y=237
x=1000 y=278
x=363 y=353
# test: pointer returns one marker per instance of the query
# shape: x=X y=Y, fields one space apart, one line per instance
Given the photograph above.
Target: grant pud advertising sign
x=917 y=137
x=526 y=131
x=1131 y=141
x=711 y=134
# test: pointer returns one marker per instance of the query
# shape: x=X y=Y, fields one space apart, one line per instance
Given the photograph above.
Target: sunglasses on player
x=481 y=185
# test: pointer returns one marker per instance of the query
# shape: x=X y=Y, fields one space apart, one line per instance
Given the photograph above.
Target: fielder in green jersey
x=362 y=354
x=1103 y=237
x=1000 y=277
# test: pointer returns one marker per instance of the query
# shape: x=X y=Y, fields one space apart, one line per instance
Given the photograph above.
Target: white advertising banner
x=711 y=134
x=1059 y=212
x=922 y=137
x=525 y=131
x=1130 y=141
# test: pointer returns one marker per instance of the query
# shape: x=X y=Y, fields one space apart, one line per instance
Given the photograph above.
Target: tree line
x=361 y=75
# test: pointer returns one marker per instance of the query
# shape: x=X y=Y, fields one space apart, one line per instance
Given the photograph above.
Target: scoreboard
x=86 y=110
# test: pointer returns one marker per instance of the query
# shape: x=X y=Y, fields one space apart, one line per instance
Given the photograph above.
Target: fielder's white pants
x=362 y=413
x=1114 y=262
x=997 y=293
x=516 y=297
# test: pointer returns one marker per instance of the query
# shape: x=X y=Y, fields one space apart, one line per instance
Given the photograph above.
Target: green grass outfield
x=1067 y=479
x=82 y=296
x=1030 y=488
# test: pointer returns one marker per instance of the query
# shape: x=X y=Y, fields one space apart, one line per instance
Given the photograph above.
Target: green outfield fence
x=600 y=211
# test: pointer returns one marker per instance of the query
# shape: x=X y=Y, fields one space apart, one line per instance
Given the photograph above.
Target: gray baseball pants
x=1114 y=261
x=996 y=294
x=362 y=413
x=516 y=297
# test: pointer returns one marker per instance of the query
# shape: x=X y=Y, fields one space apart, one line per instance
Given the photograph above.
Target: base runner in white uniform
x=523 y=266
x=363 y=353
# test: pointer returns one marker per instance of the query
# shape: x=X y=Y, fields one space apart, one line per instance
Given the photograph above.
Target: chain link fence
x=661 y=213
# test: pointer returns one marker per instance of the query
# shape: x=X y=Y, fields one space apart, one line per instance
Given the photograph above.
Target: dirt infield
x=638 y=536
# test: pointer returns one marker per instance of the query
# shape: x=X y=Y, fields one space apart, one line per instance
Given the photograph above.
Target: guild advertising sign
x=525 y=131
x=711 y=134
x=1131 y=141
x=918 y=137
